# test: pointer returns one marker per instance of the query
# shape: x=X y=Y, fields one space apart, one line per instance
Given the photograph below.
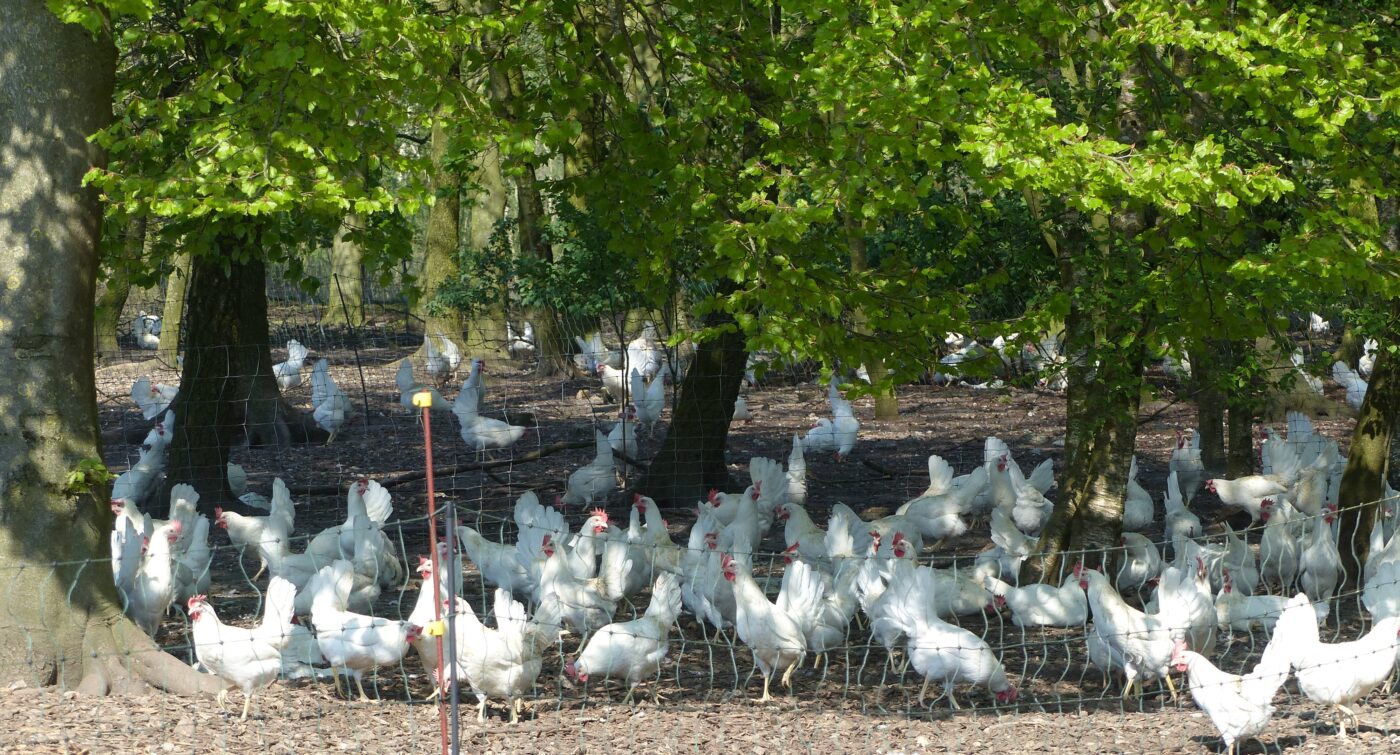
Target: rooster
x=1337 y=674
x=247 y=658
x=350 y=641
x=632 y=650
x=776 y=633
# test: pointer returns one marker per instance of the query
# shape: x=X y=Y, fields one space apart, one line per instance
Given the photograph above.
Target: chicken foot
x=247 y=700
x=766 y=696
x=787 y=675
x=481 y=711
x=363 y=697
x=1343 y=713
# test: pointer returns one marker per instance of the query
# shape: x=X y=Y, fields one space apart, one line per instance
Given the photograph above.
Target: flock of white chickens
x=850 y=573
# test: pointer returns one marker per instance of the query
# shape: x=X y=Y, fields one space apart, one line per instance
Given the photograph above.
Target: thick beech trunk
x=108 y=315
x=1210 y=406
x=227 y=390
x=62 y=621
x=691 y=459
x=442 y=242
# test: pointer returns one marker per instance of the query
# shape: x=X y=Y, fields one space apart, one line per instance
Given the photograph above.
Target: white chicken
x=483 y=433
x=350 y=641
x=409 y=387
x=741 y=410
x=582 y=605
x=520 y=344
x=1237 y=611
x=238 y=485
x=192 y=559
x=250 y=659
x=1186 y=462
x=937 y=512
x=1239 y=706
x=1125 y=638
x=593 y=353
x=797 y=473
x=633 y=650
x=1381 y=594
x=246 y=532
x=153 y=583
x=441 y=358
x=1138 y=562
x=1352 y=381
x=498 y=563
x=838 y=434
x=1137 y=506
x=1246 y=493
x=614 y=381
x=1320 y=565
x=427 y=608
x=938 y=650
x=1338 y=674
x=623 y=438
x=775 y=632
x=288 y=373
x=152 y=398
x=1278 y=546
x=649 y=400
x=1042 y=605
x=330 y=407
x=1179 y=519
x=506 y=660
x=594 y=481
x=146 y=330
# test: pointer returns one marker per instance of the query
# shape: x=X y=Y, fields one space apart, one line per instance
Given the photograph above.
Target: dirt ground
x=856 y=704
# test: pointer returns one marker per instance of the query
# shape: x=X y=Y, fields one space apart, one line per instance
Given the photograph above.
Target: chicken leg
x=481 y=711
x=766 y=697
x=923 y=691
x=787 y=675
x=222 y=697
x=335 y=677
x=247 y=700
x=363 y=697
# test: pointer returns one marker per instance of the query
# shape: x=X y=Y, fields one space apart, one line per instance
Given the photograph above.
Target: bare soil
x=856 y=704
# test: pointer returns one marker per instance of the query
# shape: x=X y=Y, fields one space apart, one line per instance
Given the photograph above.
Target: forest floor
x=856 y=704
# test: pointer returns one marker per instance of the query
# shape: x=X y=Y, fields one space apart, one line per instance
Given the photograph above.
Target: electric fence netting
x=908 y=635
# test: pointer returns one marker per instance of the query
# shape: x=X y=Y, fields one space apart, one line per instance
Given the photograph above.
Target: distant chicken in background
x=838 y=434
x=645 y=354
x=146 y=330
x=1186 y=463
x=649 y=398
x=409 y=387
x=288 y=373
x=441 y=358
x=594 y=481
x=1352 y=381
x=275 y=529
x=331 y=408
x=520 y=344
x=484 y=433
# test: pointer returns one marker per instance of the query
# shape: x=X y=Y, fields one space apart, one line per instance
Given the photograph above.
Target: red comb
x=601 y=514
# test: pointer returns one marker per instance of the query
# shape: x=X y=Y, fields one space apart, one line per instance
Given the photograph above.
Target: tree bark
x=1210 y=406
x=345 y=294
x=886 y=402
x=172 y=322
x=486 y=331
x=691 y=459
x=62 y=622
x=442 y=242
x=227 y=389
x=1368 y=461
x=1101 y=428
x=108 y=315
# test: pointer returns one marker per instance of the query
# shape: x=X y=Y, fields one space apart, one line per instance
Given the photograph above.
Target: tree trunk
x=691 y=459
x=886 y=402
x=1239 y=461
x=227 y=389
x=345 y=294
x=551 y=349
x=172 y=322
x=1368 y=458
x=442 y=242
x=1210 y=406
x=1368 y=461
x=1350 y=348
x=62 y=621
x=486 y=331
x=108 y=315
x=1101 y=428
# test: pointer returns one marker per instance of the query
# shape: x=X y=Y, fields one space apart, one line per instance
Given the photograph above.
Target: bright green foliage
x=272 y=117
